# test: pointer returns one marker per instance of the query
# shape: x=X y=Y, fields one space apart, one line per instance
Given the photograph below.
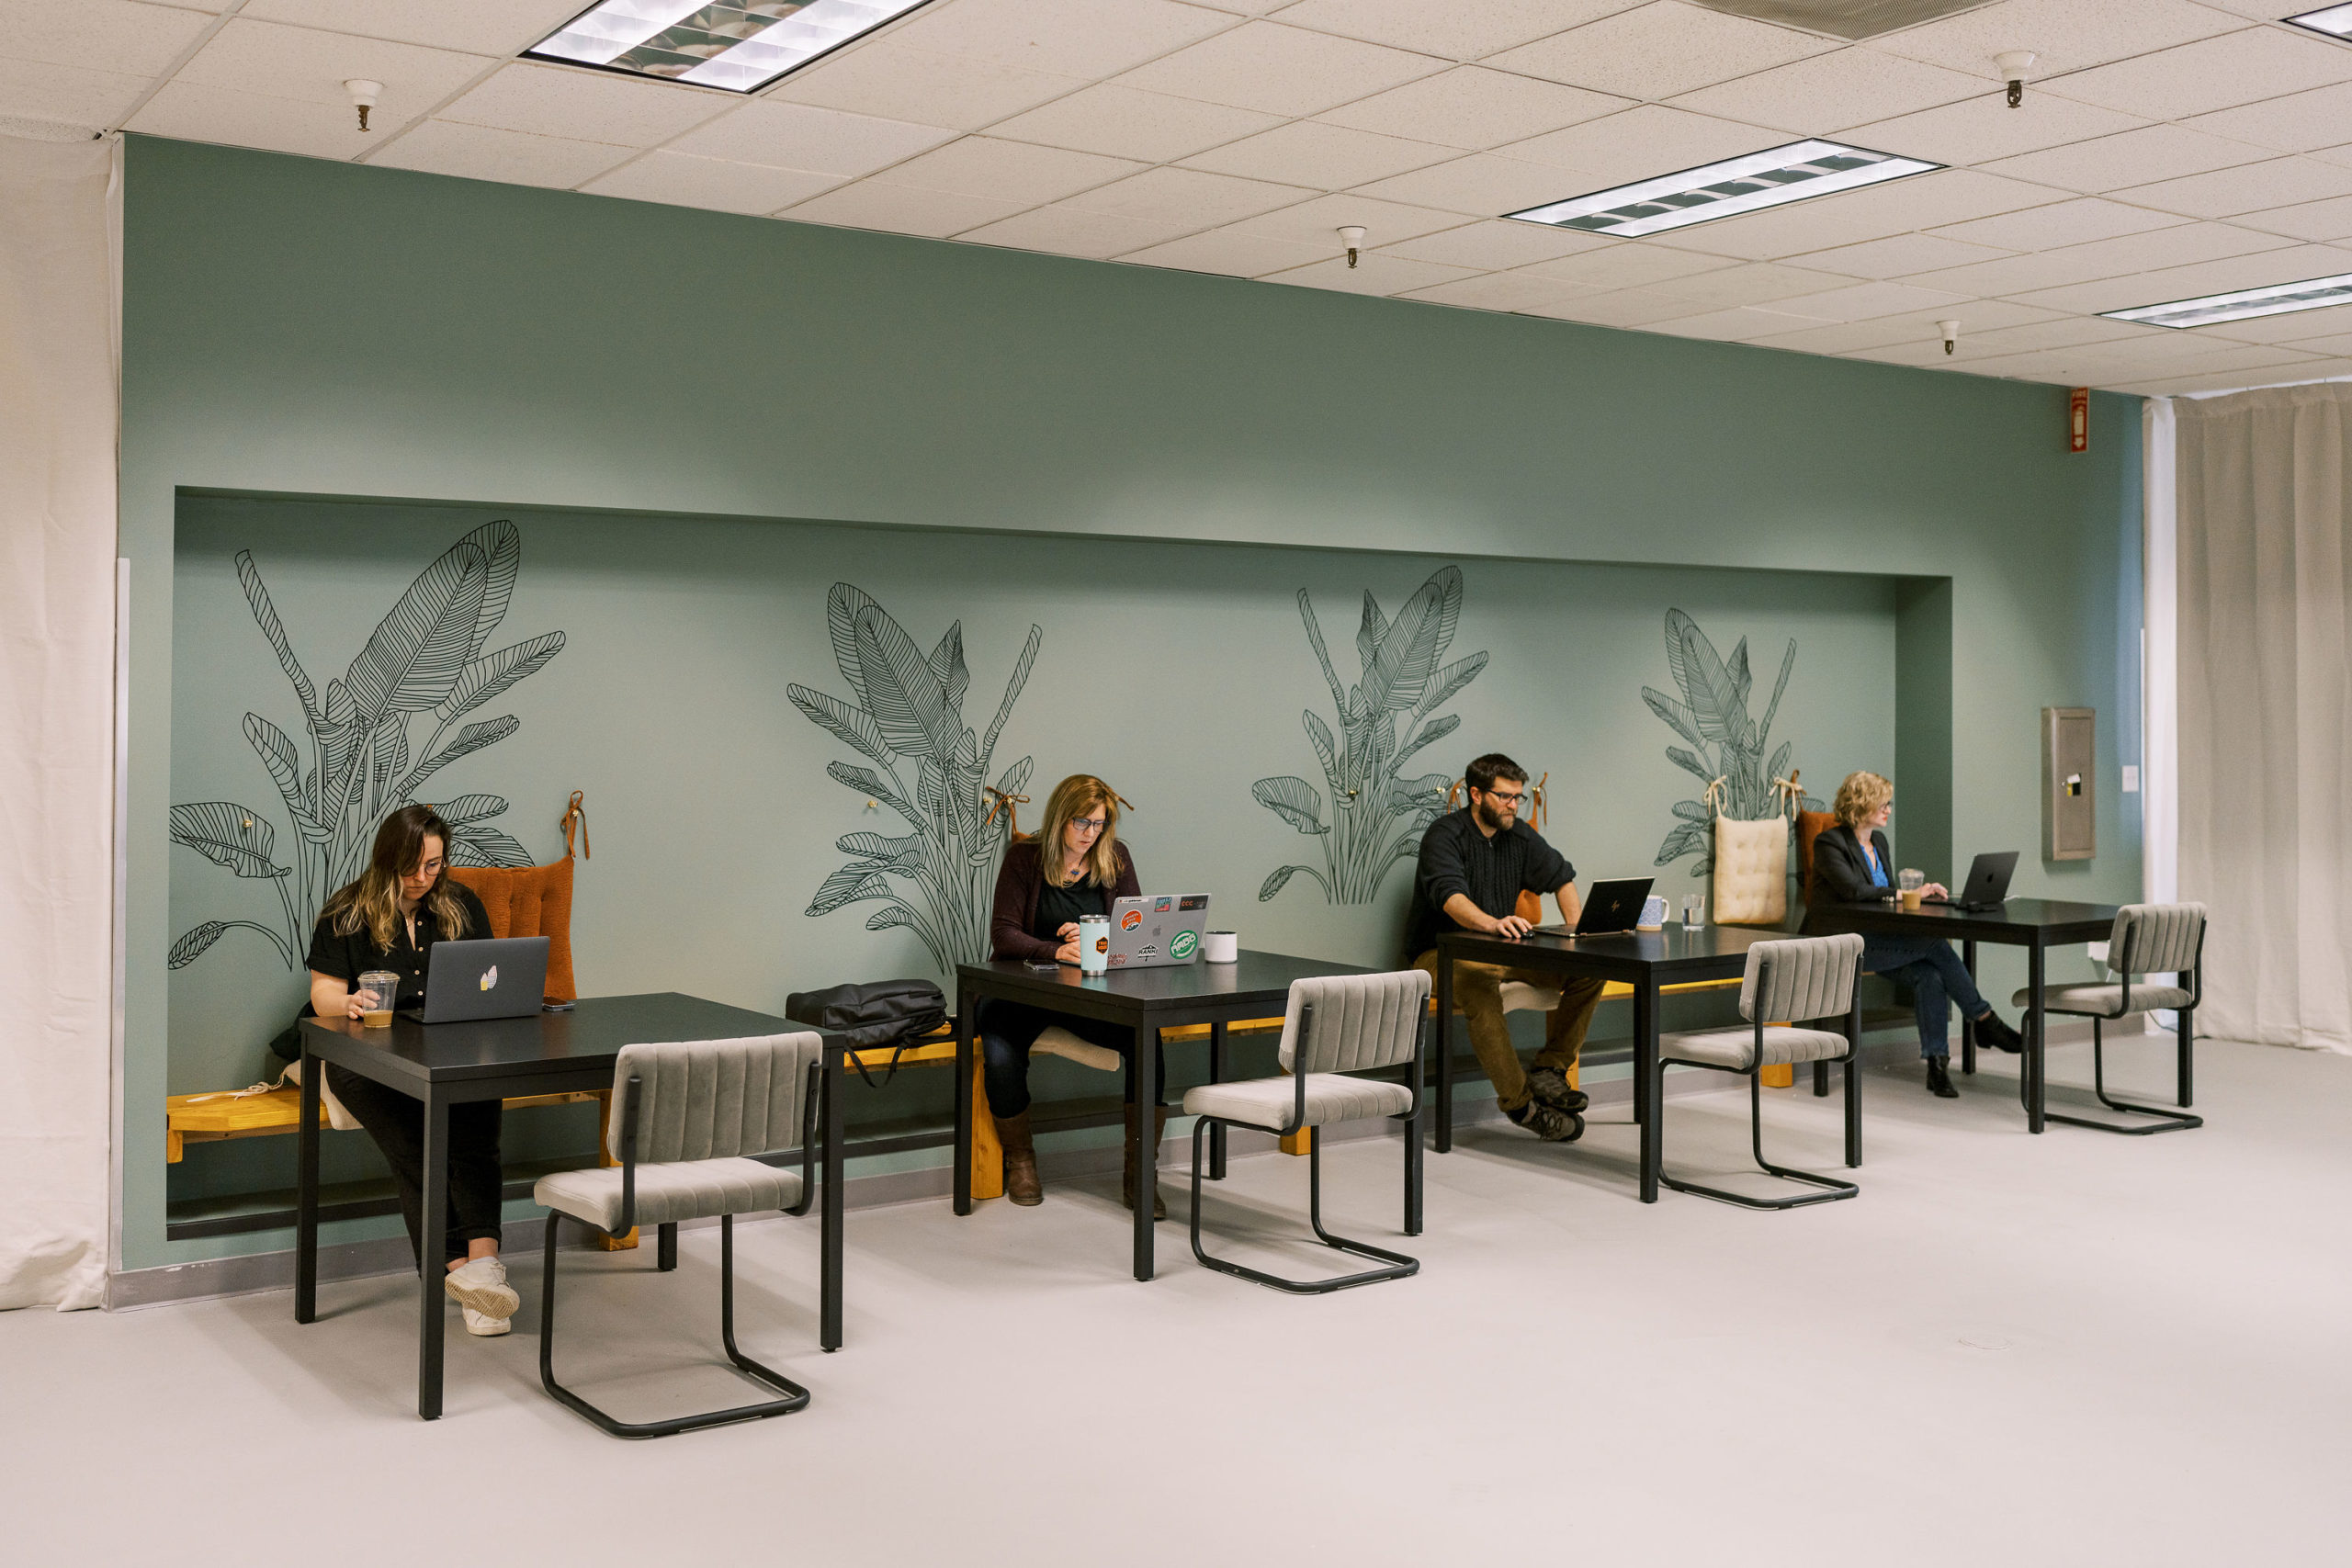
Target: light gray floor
x=2066 y=1349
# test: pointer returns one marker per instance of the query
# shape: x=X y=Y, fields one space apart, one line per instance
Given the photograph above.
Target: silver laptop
x=497 y=977
x=1157 y=929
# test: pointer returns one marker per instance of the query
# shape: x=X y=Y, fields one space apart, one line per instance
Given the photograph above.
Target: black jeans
x=397 y=1123
x=1009 y=1029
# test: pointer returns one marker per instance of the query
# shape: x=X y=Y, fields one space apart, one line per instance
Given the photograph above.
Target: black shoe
x=1991 y=1031
x=1939 y=1080
x=1549 y=1085
x=1552 y=1125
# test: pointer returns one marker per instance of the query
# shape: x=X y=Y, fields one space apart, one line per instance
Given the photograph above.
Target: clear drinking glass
x=1694 y=911
x=376 y=990
x=1907 y=886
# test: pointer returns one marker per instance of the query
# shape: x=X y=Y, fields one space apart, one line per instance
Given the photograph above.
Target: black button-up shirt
x=1457 y=858
x=348 y=957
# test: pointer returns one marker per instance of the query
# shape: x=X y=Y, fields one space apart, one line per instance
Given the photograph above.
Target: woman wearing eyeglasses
x=1073 y=865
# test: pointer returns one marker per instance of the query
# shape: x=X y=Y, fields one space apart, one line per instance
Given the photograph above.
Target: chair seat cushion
x=2103 y=1001
x=1269 y=1102
x=690 y=1189
x=1736 y=1048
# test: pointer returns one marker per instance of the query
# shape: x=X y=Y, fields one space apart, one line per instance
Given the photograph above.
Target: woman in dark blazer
x=1851 y=864
x=1073 y=865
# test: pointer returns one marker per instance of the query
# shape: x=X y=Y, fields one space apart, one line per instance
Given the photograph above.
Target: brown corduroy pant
x=1478 y=992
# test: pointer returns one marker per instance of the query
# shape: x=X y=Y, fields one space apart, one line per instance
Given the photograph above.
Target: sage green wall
x=314 y=329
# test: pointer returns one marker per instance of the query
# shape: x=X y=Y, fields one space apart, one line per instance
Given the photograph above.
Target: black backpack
x=894 y=1013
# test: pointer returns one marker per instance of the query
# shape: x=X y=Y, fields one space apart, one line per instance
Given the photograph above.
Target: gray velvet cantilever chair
x=2148 y=939
x=1805 y=979
x=686 y=1119
x=1334 y=1027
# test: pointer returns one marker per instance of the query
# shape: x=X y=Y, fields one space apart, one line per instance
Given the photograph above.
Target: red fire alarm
x=2078 y=420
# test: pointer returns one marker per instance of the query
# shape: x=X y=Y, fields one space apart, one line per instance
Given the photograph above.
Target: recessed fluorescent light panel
x=2336 y=21
x=2312 y=294
x=740 y=46
x=1798 y=172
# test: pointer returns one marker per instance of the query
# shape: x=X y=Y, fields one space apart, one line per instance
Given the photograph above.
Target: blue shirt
x=1878 y=871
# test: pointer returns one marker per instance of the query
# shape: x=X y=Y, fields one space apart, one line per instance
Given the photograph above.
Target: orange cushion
x=531 y=900
x=1811 y=824
x=1531 y=908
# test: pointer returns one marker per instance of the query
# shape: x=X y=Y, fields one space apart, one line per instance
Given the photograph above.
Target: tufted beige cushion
x=2161 y=938
x=1056 y=1040
x=2103 y=1002
x=1736 y=1048
x=1751 y=871
x=1269 y=1102
x=695 y=1189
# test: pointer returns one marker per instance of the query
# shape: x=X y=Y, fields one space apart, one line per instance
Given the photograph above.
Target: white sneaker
x=485 y=1326
x=480 y=1287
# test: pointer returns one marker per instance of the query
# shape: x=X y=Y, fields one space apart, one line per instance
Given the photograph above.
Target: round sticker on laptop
x=1131 y=919
x=1182 y=946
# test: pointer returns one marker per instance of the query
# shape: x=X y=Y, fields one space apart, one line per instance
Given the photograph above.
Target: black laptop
x=494 y=977
x=1988 y=884
x=1609 y=906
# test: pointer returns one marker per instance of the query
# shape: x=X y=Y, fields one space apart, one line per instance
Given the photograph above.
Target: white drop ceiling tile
x=894 y=81
x=1660 y=50
x=1980 y=320
x=2163 y=285
x=1185 y=200
x=1474 y=108
x=585 y=105
x=1317 y=222
x=1071 y=38
x=2019 y=274
x=311 y=67
x=1481 y=184
x=1742 y=324
x=1456 y=30
x=2058 y=223
x=1495 y=244
x=68 y=94
x=1500 y=291
x=901 y=209
x=1009 y=170
x=2068 y=35
x=188 y=112
x=2282 y=181
x=1643 y=143
x=1625 y=308
x=2189 y=386
x=1066 y=231
x=475 y=27
x=1830 y=91
x=2213 y=73
x=2304 y=221
x=2062 y=332
x=1758 y=283
x=712 y=182
x=1979 y=131
x=1899 y=257
x=2297 y=123
x=1230 y=252
x=1373 y=275
x=1632 y=267
x=510 y=157
x=1864 y=301
x=1917 y=355
x=2334 y=345
x=2136 y=157
x=1279 y=69
x=2178 y=246
x=801 y=135
x=1327 y=157
x=1126 y=123
x=2294 y=329
x=114 y=37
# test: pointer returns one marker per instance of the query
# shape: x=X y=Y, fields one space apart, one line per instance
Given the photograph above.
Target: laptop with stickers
x=495 y=977
x=1157 y=929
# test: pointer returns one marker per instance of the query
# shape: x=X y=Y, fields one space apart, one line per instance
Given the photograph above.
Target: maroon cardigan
x=1018 y=884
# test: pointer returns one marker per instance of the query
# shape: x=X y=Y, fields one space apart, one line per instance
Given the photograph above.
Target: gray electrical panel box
x=2069 y=808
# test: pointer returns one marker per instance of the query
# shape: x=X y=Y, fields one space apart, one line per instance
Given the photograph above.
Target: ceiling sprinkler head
x=1351 y=236
x=1952 y=335
x=2013 y=66
x=364 y=95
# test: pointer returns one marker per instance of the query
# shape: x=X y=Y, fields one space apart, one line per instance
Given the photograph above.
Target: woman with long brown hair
x=390 y=919
x=1074 y=864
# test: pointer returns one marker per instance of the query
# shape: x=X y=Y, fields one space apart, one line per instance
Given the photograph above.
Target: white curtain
x=58 y=316
x=2265 y=679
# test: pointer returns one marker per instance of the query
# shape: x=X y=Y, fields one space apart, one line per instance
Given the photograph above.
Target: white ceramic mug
x=1221 y=947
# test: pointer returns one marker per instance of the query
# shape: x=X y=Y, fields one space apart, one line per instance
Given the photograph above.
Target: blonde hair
x=373 y=902
x=1081 y=795
x=1860 y=797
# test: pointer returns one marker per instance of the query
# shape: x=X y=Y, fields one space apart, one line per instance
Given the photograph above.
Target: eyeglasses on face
x=1500 y=798
x=1089 y=824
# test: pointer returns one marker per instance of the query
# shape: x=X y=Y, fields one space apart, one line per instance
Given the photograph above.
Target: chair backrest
x=714 y=1099
x=2156 y=939
x=1358 y=1021
x=1804 y=977
x=1811 y=824
x=1530 y=908
x=530 y=901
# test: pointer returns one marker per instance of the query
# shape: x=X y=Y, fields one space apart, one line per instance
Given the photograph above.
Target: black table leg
x=1967 y=1024
x=306 y=1192
x=964 y=1023
x=829 y=1309
x=433 y=1247
x=1444 y=1051
x=1216 y=1075
x=2036 y=1040
x=1854 y=1084
x=1650 y=1081
x=1413 y=1158
x=665 y=1247
x=1147 y=1152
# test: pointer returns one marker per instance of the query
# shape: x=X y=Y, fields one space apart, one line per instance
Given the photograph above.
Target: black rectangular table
x=443 y=1064
x=2035 y=925
x=1146 y=1001
x=1644 y=960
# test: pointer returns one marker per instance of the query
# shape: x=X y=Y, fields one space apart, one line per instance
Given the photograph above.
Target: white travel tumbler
x=1094 y=943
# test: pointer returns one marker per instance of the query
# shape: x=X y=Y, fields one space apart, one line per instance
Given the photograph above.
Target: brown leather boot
x=1152 y=1158
x=1021 y=1182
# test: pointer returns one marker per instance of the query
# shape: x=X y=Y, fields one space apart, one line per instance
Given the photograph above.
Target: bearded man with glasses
x=1473 y=864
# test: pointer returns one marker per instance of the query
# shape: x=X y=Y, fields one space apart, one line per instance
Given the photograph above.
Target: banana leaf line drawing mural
x=422 y=668
x=1378 y=814
x=939 y=879
x=1725 y=742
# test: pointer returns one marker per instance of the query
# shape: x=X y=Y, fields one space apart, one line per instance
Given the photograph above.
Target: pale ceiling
x=2166 y=148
